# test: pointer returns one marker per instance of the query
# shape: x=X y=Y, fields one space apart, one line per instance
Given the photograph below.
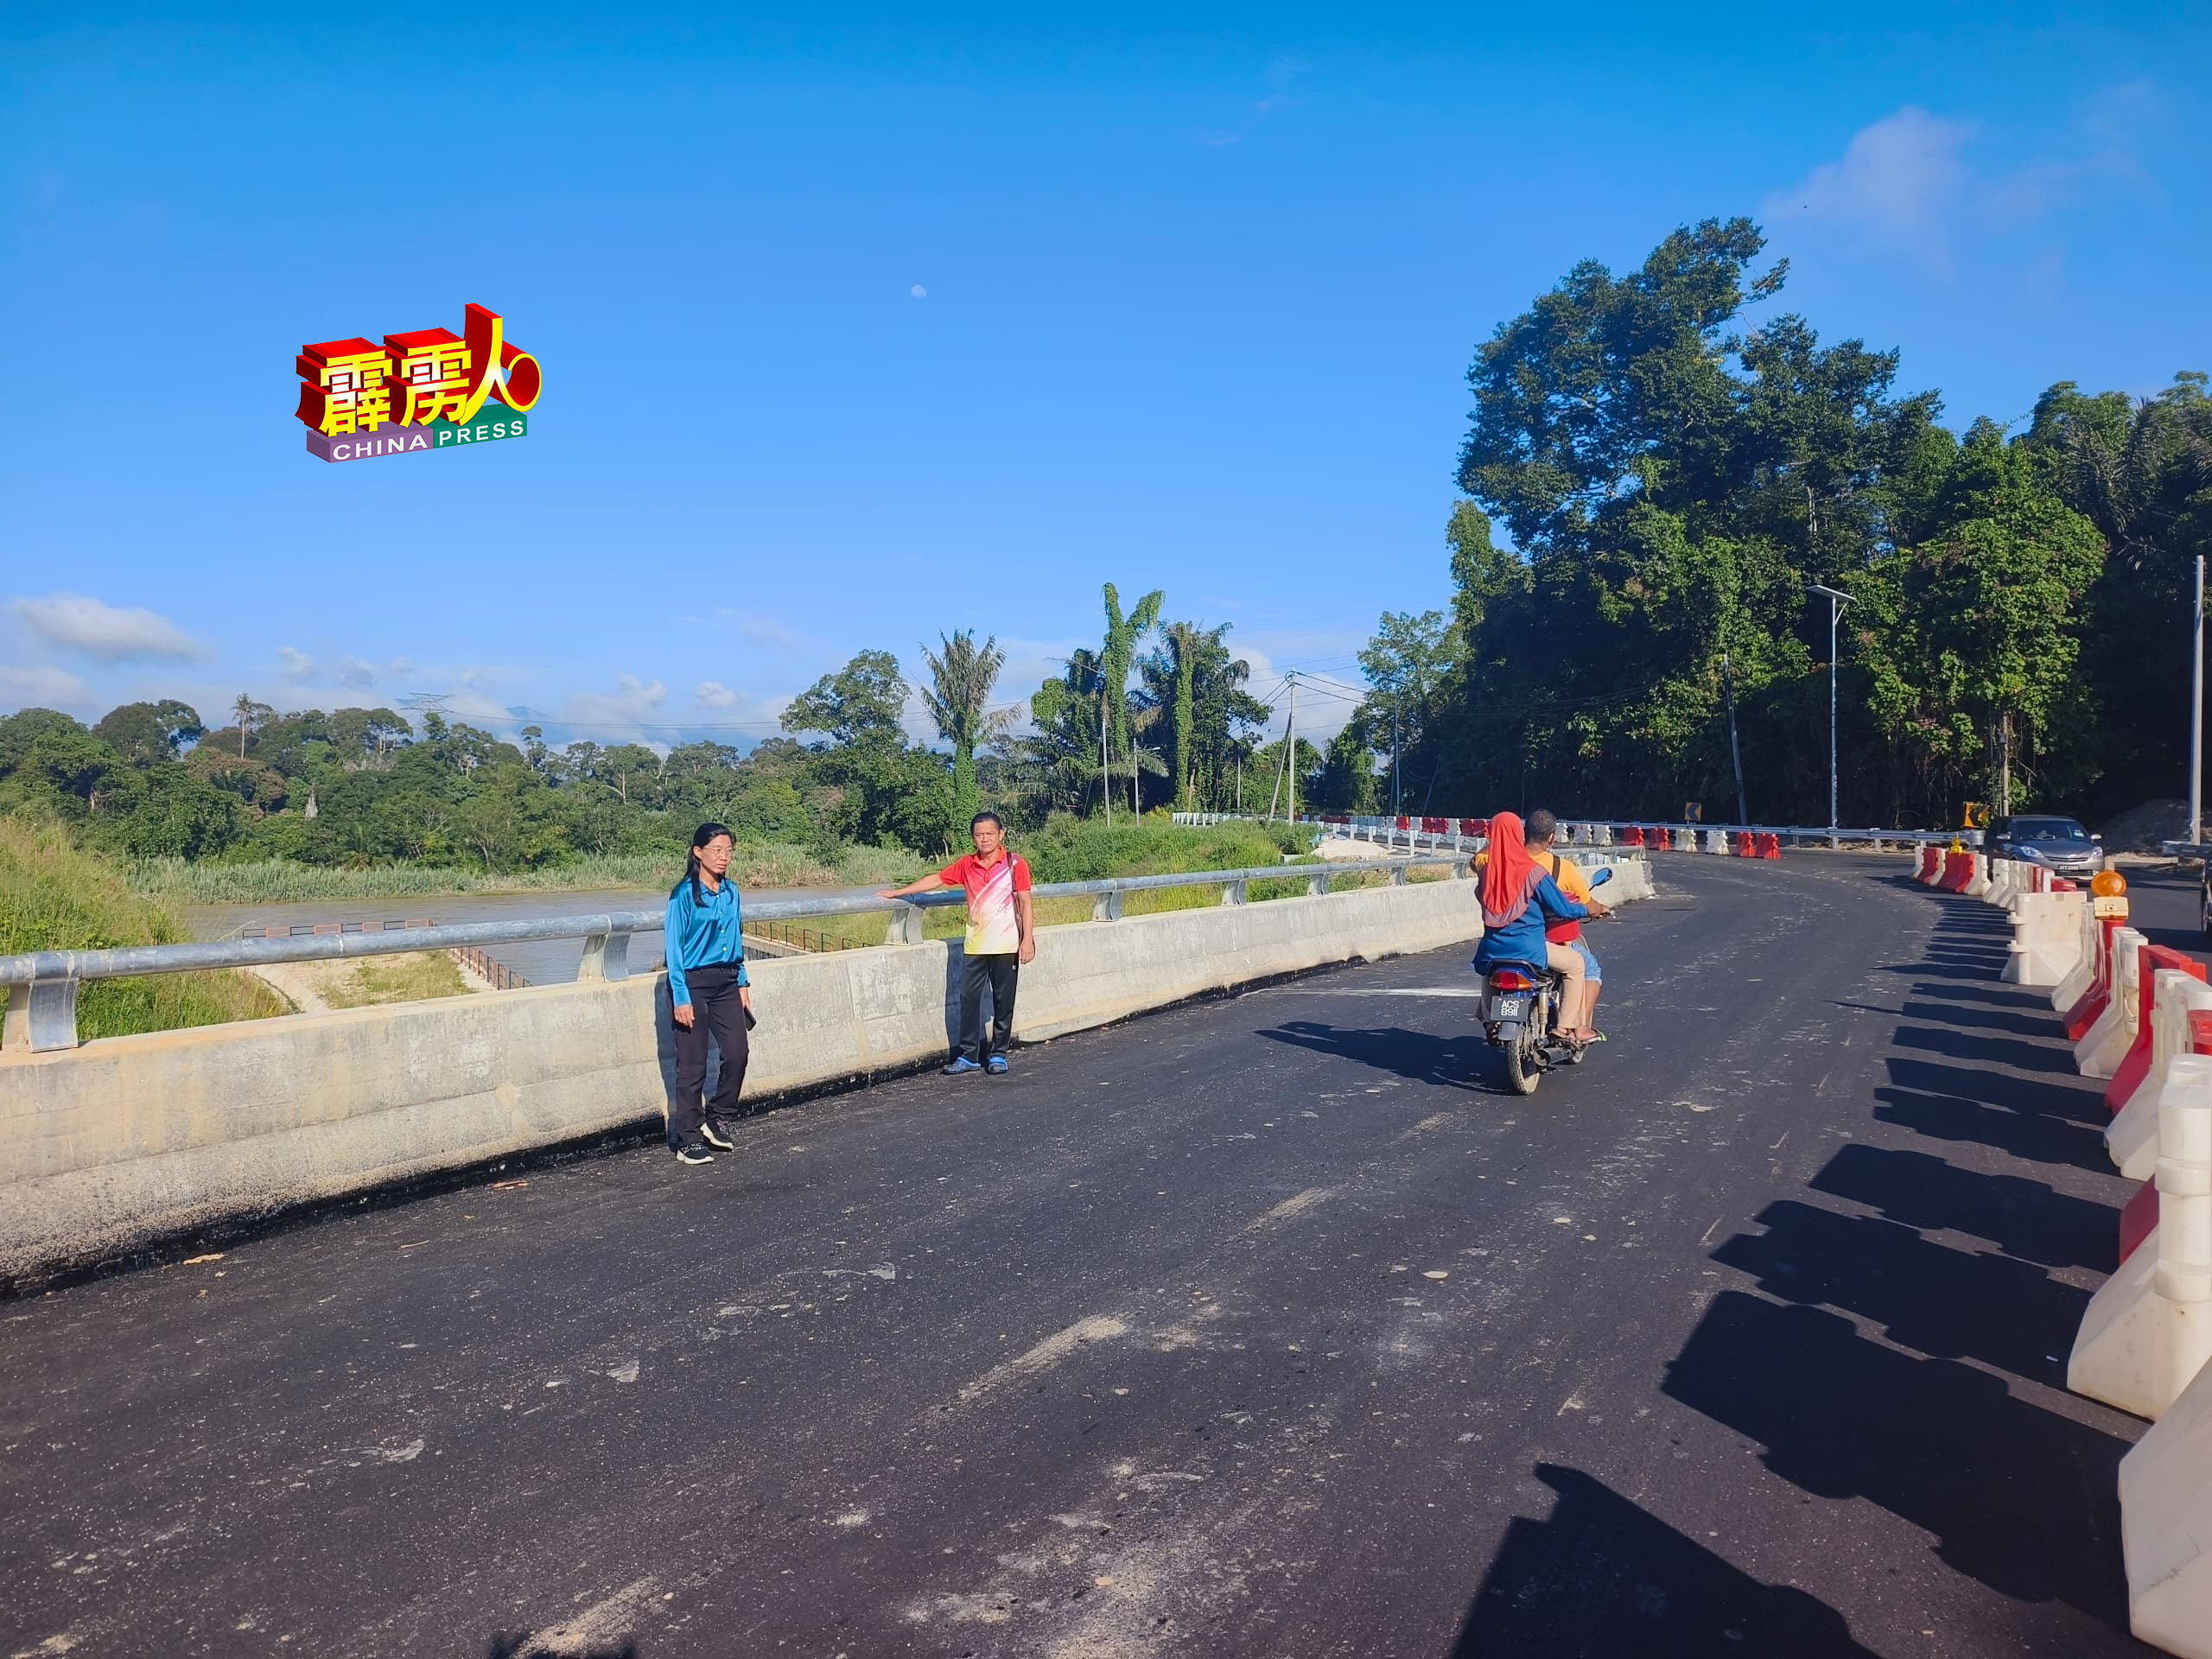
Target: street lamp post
x=1836 y=602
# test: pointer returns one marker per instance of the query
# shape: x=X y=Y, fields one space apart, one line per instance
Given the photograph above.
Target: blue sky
x=857 y=332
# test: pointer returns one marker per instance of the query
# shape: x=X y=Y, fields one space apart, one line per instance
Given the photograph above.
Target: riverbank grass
x=54 y=897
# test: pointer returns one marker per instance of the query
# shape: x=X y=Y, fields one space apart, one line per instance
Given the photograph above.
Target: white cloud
x=40 y=686
x=1907 y=183
x=1899 y=183
x=98 y=629
x=712 y=694
x=401 y=665
x=634 y=702
x=353 y=671
x=298 y=665
x=759 y=629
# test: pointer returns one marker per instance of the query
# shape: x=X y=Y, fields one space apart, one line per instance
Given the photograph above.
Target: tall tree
x=863 y=702
x=1185 y=641
x=961 y=674
x=1970 y=640
x=1122 y=633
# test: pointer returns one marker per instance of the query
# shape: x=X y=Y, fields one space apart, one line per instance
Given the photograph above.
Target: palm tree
x=1122 y=633
x=957 y=696
x=1184 y=640
x=243 y=710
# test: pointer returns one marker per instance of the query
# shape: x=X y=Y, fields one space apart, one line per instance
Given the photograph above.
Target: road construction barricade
x=2105 y=1044
x=1716 y=841
x=1659 y=840
x=2153 y=963
x=1958 y=870
x=1769 y=846
x=1745 y=847
x=2140 y=1214
x=2166 y=1526
x=2083 y=1013
x=1685 y=839
x=2047 y=938
x=1632 y=837
x=2173 y=990
x=2148 y=1331
x=1931 y=865
x=1977 y=876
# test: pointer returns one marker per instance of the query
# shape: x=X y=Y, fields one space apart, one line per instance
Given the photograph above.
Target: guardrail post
x=606 y=956
x=42 y=1017
x=1462 y=868
x=1108 y=907
x=906 y=926
x=1317 y=886
x=1234 y=892
x=1398 y=875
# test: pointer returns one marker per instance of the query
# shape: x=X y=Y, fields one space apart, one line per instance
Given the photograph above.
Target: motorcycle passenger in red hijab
x=1519 y=900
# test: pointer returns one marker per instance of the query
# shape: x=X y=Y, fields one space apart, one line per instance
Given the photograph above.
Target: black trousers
x=998 y=972
x=716 y=1012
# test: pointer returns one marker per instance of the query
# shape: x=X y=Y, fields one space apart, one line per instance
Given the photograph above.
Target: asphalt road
x=1263 y=1326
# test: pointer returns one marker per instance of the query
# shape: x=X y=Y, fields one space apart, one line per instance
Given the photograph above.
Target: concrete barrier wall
x=130 y=1139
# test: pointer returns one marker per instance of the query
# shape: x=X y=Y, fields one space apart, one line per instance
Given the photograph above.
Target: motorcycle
x=1516 y=1008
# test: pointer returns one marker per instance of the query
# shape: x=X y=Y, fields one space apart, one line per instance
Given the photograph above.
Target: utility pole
x=1397 y=789
x=1836 y=602
x=1735 y=750
x=1105 y=772
x=2004 y=764
x=2196 y=717
x=1282 y=760
x=1290 y=751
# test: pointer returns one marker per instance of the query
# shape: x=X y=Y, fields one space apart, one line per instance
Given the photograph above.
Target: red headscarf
x=1506 y=877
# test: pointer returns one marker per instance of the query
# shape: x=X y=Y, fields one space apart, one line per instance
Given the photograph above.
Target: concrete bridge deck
x=1261 y=1327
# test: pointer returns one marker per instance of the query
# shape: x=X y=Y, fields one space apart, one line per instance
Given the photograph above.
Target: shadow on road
x=1603 y=1576
x=1458 y=1062
x=2024 y=1217
x=1873 y=1357
x=2021 y=1498
x=527 y=1646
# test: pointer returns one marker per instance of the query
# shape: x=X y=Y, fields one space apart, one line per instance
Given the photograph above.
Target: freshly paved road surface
x=1262 y=1326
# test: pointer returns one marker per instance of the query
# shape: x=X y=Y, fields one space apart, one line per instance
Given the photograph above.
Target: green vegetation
x=276 y=880
x=54 y=896
x=1673 y=474
x=1067 y=849
x=373 y=981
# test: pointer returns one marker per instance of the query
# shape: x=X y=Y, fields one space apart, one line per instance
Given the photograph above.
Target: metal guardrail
x=45 y=1017
x=1386 y=832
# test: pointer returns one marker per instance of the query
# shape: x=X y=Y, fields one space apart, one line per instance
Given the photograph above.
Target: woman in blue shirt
x=708 y=994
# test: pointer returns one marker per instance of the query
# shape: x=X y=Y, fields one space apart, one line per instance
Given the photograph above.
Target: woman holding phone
x=708 y=994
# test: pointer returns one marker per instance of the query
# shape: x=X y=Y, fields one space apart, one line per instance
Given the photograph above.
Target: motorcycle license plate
x=1511 y=1007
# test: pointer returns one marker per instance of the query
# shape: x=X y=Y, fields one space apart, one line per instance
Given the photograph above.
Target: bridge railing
x=42 y=985
x=1387 y=831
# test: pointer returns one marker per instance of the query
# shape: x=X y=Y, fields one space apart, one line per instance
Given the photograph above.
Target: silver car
x=2061 y=845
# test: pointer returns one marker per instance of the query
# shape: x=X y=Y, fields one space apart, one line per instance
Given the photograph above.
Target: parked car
x=2060 y=844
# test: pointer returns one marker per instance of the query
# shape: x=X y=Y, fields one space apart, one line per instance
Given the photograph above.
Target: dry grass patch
x=416 y=977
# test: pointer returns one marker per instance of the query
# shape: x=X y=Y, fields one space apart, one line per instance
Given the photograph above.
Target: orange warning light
x=2108 y=883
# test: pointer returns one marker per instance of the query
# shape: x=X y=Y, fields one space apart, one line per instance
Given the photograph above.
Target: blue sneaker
x=961 y=1066
x=995 y=1066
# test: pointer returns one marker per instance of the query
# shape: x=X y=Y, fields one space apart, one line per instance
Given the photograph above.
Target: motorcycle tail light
x=1507 y=979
